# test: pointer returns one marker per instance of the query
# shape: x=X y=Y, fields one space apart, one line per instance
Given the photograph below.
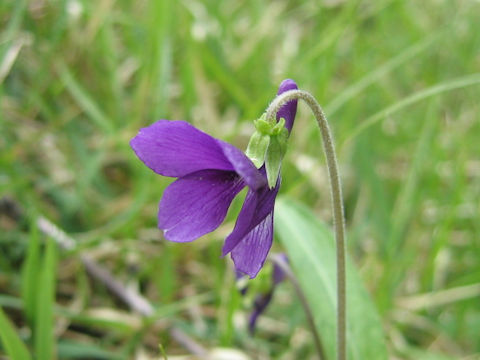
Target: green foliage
x=45 y=296
x=311 y=250
x=74 y=350
x=399 y=83
x=30 y=275
x=13 y=345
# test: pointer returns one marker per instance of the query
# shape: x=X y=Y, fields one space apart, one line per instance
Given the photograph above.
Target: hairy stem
x=337 y=203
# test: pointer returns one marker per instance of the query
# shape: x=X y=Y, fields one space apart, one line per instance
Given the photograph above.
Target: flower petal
x=250 y=254
x=289 y=110
x=243 y=166
x=259 y=306
x=197 y=203
x=176 y=148
x=257 y=205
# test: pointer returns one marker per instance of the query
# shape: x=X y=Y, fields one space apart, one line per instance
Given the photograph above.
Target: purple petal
x=257 y=205
x=259 y=306
x=250 y=254
x=196 y=204
x=176 y=148
x=243 y=166
x=289 y=110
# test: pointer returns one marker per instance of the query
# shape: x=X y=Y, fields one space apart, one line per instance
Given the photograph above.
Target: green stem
x=303 y=300
x=337 y=203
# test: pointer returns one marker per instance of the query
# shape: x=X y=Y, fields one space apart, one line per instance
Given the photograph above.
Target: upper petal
x=289 y=110
x=176 y=148
x=250 y=254
x=257 y=205
x=243 y=166
x=196 y=204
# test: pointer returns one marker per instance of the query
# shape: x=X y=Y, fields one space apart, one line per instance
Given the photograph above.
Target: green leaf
x=44 y=335
x=77 y=350
x=417 y=353
x=13 y=345
x=30 y=275
x=311 y=250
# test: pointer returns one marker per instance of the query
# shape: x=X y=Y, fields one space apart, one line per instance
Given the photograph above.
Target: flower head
x=210 y=174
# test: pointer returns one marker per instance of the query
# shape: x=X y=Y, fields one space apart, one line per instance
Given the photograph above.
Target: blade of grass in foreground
x=311 y=250
x=30 y=275
x=12 y=344
x=44 y=336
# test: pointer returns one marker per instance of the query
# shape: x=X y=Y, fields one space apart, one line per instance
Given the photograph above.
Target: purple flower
x=263 y=300
x=210 y=174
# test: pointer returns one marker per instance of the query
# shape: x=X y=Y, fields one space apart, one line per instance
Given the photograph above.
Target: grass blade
x=30 y=276
x=13 y=345
x=357 y=87
x=469 y=80
x=84 y=100
x=44 y=335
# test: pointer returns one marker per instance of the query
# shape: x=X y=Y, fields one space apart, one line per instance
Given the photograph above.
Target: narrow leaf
x=30 y=275
x=311 y=250
x=82 y=350
x=44 y=335
x=13 y=345
x=84 y=99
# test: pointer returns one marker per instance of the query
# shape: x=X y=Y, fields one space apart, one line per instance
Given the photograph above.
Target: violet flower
x=263 y=300
x=210 y=174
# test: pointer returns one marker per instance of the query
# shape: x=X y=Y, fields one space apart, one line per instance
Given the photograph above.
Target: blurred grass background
x=399 y=81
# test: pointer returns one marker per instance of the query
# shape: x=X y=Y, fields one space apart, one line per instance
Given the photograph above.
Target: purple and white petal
x=196 y=204
x=257 y=205
x=250 y=254
x=176 y=148
x=289 y=110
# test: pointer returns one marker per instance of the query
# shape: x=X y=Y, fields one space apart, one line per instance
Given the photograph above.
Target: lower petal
x=196 y=204
x=250 y=254
x=257 y=205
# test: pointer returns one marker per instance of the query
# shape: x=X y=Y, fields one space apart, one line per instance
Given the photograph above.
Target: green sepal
x=268 y=145
x=263 y=126
x=257 y=148
x=279 y=127
x=274 y=156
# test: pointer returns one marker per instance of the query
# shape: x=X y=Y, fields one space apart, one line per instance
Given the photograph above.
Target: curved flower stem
x=306 y=306
x=337 y=203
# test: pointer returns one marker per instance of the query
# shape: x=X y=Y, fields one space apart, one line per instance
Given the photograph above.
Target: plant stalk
x=337 y=203
x=303 y=300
